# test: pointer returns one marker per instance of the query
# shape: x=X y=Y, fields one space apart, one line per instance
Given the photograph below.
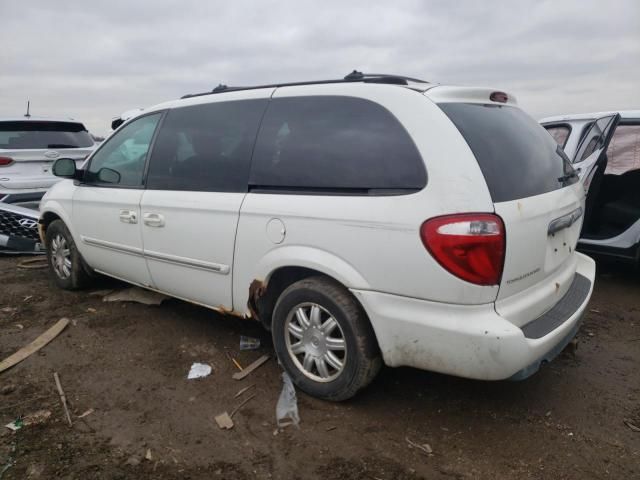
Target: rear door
x=535 y=191
x=593 y=146
x=29 y=148
x=196 y=183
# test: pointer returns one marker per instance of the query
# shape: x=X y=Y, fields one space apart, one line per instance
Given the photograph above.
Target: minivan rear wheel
x=66 y=266
x=324 y=340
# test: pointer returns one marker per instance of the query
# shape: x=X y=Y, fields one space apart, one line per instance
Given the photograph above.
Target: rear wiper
x=568 y=176
x=61 y=145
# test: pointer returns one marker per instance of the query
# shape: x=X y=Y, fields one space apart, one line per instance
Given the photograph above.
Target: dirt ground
x=128 y=362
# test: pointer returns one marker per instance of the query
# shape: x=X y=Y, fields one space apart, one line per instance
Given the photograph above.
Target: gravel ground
x=128 y=362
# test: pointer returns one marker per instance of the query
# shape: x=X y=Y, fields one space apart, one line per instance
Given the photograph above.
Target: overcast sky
x=93 y=60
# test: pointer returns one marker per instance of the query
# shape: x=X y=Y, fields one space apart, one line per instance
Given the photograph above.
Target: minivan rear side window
x=206 y=147
x=518 y=158
x=334 y=144
x=560 y=133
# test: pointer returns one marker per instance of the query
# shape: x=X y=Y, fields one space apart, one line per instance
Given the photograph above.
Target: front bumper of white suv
x=473 y=341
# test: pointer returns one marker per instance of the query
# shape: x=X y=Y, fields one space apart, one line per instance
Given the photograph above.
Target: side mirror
x=64 y=168
x=108 y=175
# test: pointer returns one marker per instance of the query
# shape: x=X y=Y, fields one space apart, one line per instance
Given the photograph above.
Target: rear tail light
x=470 y=246
x=5 y=161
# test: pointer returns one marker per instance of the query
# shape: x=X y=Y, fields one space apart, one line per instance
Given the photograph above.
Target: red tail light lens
x=5 y=161
x=500 y=97
x=470 y=246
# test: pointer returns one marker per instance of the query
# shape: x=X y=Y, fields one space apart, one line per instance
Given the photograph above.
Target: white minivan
x=364 y=220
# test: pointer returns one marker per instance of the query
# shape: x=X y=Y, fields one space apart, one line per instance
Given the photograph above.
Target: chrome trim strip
x=112 y=246
x=188 y=262
x=161 y=257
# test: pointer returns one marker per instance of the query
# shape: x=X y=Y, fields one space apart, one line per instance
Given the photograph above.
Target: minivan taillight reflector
x=5 y=161
x=471 y=245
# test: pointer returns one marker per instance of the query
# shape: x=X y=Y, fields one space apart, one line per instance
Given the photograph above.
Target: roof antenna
x=28 y=115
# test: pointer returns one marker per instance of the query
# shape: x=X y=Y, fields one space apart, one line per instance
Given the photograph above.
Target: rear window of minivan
x=335 y=144
x=518 y=158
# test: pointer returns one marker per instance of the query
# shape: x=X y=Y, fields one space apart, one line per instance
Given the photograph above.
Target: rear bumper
x=473 y=341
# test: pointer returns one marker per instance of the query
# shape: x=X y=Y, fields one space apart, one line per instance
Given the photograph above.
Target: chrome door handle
x=128 y=216
x=153 y=219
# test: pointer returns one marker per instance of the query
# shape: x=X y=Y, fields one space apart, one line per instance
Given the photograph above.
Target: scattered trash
x=148 y=455
x=8 y=310
x=425 y=447
x=34 y=346
x=225 y=420
x=594 y=310
x=87 y=413
x=15 y=425
x=287 y=406
x=34 y=418
x=91 y=310
x=28 y=297
x=136 y=294
x=633 y=427
x=242 y=390
x=249 y=343
x=34 y=263
x=329 y=429
x=246 y=371
x=199 y=370
x=63 y=399
x=235 y=362
x=19 y=326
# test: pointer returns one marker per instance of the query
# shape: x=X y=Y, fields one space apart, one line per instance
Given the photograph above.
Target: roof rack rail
x=354 y=76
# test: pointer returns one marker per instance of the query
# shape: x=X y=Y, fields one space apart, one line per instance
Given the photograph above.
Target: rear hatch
x=29 y=148
x=536 y=193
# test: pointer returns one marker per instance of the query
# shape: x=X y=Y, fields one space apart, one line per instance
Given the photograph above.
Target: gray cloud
x=93 y=60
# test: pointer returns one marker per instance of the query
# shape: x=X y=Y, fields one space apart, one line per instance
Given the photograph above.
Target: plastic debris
x=425 y=447
x=136 y=294
x=34 y=418
x=249 y=343
x=287 y=406
x=224 y=421
x=199 y=370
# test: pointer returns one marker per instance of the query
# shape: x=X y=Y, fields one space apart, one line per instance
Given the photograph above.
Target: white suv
x=28 y=148
x=365 y=220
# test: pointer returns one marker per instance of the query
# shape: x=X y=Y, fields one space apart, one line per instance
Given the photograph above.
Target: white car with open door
x=605 y=150
x=364 y=220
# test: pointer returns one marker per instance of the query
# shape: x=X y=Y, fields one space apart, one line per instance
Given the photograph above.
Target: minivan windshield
x=518 y=158
x=24 y=135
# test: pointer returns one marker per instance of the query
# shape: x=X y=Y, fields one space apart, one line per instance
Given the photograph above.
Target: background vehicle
x=373 y=218
x=605 y=148
x=28 y=148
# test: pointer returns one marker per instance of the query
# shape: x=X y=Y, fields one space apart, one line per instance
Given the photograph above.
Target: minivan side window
x=121 y=159
x=206 y=147
x=334 y=143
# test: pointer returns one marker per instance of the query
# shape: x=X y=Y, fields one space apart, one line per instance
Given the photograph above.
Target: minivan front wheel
x=324 y=340
x=66 y=266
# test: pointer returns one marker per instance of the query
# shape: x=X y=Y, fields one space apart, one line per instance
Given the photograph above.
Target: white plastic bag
x=287 y=407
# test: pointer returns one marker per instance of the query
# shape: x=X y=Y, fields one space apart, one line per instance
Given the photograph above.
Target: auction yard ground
x=128 y=362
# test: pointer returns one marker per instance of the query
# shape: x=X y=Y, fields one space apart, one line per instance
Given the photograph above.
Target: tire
x=68 y=270
x=301 y=330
